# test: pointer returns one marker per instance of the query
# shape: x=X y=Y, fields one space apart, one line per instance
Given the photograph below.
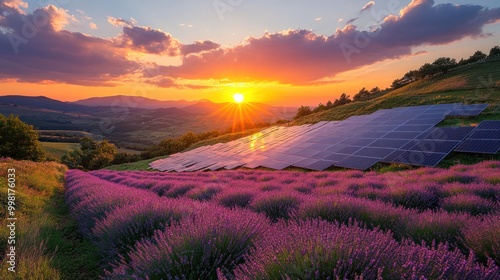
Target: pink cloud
x=303 y=57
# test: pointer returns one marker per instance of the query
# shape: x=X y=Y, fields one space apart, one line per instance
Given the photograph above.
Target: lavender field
x=426 y=223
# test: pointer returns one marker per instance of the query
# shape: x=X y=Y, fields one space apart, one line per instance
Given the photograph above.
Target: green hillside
x=58 y=149
x=468 y=84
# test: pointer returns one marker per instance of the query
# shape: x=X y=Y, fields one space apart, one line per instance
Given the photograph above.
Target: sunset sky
x=281 y=52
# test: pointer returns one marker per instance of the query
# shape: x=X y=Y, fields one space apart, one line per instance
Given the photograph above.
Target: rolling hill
x=125 y=125
x=134 y=102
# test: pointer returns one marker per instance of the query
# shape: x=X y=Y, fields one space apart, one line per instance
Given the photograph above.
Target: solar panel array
x=401 y=135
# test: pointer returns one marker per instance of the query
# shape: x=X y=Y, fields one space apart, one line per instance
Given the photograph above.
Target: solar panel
x=336 y=157
x=275 y=164
x=304 y=163
x=485 y=134
x=357 y=162
x=393 y=156
x=320 y=165
x=449 y=133
x=435 y=146
x=389 y=135
x=420 y=158
x=479 y=146
x=388 y=143
x=349 y=150
x=402 y=135
x=421 y=127
x=374 y=152
x=489 y=125
x=357 y=141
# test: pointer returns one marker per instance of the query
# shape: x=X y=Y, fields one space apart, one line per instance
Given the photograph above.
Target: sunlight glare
x=238 y=97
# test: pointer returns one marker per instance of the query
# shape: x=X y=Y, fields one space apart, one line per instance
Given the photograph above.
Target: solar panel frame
x=357 y=162
x=419 y=158
x=479 y=146
x=435 y=146
x=491 y=124
x=486 y=134
x=379 y=153
x=389 y=143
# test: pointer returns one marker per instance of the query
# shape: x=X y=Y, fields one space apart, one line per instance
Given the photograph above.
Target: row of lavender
x=473 y=189
x=459 y=206
x=144 y=235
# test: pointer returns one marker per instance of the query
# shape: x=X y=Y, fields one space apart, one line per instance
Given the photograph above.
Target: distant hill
x=120 y=122
x=133 y=102
x=42 y=102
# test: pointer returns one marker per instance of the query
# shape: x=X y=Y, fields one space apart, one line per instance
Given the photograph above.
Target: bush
x=215 y=240
x=19 y=140
x=235 y=198
x=320 y=250
x=123 y=227
x=482 y=237
x=276 y=205
x=469 y=203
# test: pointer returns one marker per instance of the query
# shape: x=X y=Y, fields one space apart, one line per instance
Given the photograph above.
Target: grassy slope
x=58 y=149
x=48 y=245
x=469 y=84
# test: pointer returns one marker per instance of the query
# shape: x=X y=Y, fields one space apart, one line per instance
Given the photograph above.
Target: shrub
x=123 y=227
x=213 y=240
x=482 y=237
x=320 y=250
x=277 y=205
x=235 y=198
x=204 y=193
x=469 y=203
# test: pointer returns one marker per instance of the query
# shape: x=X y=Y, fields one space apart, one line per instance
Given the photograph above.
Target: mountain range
x=127 y=119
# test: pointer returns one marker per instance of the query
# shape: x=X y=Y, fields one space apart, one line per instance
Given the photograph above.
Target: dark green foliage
x=303 y=111
x=494 y=51
x=19 y=140
x=92 y=155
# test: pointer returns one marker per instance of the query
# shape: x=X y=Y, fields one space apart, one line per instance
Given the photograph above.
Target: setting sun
x=238 y=97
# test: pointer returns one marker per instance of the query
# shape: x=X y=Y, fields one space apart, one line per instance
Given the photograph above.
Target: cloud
x=34 y=48
x=121 y=22
x=149 y=40
x=17 y=5
x=318 y=19
x=351 y=20
x=199 y=46
x=59 y=17
x=340 y=20
x=92 y=25
x=367 y=6
x=302 y=57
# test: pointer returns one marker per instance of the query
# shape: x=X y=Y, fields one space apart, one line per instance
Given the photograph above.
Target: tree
x=494 y=51
x=443 y=64
x=344 y=99
x=477 y=56
x=363 y=94
x=303 y=111
x=19 y=140
x=91 y=155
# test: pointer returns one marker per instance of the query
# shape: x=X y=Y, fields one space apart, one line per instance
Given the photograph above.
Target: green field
x=58 y=149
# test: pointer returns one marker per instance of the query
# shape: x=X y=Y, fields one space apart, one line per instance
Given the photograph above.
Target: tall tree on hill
x=303 y=111
x=19 y=140
x=494 y=51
